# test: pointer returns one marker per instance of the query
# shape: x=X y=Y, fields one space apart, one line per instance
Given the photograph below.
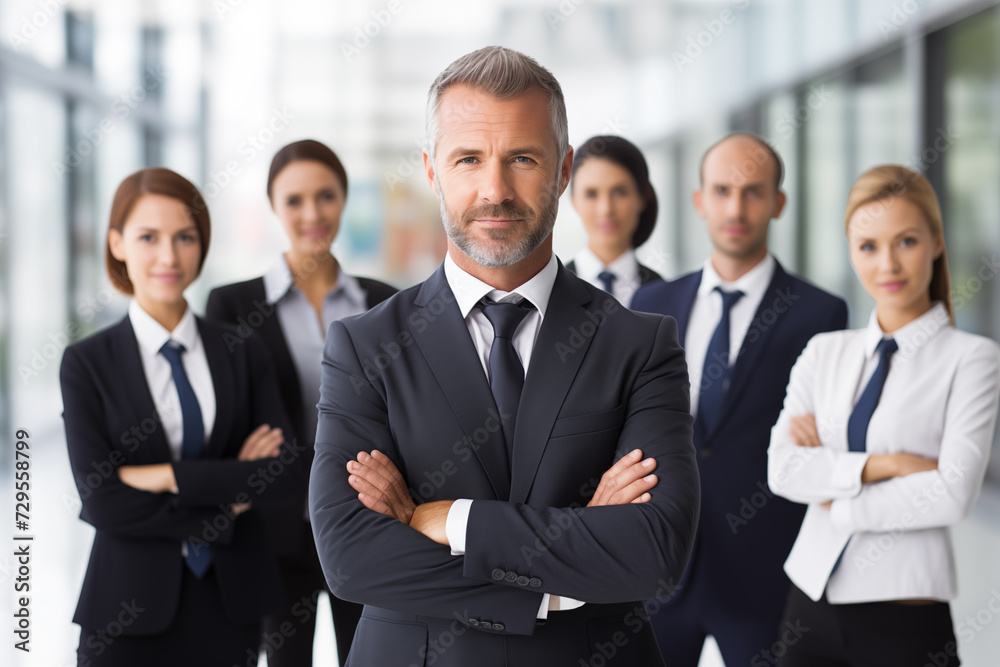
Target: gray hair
x=502 y=73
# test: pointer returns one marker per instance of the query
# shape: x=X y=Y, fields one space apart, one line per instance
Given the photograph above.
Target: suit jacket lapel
x=126 y=350
x=555 y=360
x=220 y=364
x=451 y=355
x=688 y=292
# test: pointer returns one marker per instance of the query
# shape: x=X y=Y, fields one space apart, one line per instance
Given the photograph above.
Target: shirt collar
x=625 y=266
x=911 y=337
x=469 y=290
x=278 y=283
x=753 y=283
x=151 y=335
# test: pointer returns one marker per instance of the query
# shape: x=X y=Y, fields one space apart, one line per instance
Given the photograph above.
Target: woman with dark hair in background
x=611 y=192
x=175 y=443
x=295 y=302
x=885 y=434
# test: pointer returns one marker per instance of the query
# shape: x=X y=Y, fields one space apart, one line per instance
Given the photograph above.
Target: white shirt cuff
x=456 y=525
x=555 y=603
x=847 y=471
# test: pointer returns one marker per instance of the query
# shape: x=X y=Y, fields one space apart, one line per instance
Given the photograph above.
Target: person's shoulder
x=813 y=293
x=98 y=345
x=376 y=290
x=659 y=291
x=974 y=346
x=239 y=291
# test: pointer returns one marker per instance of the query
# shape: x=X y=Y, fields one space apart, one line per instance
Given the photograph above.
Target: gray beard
x=504 y=252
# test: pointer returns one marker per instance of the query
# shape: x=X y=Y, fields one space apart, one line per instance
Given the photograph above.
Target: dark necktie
x=857 y=425
x=608 y=280
x=715 y=370
x=506 y=371
x=199 y=556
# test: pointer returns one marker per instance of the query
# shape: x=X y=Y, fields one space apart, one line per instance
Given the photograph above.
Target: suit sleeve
x=108 y=504
x=371 y=558
x=944 y=496
x=809 y=474
x=617 y=553
x=267 y=482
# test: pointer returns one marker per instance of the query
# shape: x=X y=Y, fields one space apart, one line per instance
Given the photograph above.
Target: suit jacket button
x=705 y=453
x=498 y=627
x=535 y=582
x=498 y=574
x=522 y=581
x=511 y=577
x=474 y=622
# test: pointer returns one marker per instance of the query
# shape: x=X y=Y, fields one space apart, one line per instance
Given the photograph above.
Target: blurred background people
x=289 y=309
x=167 y=433
x=611 y=193
x=743 y=320
x=884 y=435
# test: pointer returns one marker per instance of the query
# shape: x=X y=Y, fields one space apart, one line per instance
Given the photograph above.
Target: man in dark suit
x=743 y=321
x=500 y=563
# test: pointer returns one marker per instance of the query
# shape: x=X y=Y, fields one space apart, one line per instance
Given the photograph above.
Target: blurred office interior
x=91 y=90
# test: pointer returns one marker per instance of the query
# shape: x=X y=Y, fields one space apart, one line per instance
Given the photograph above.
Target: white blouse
x=939 y=401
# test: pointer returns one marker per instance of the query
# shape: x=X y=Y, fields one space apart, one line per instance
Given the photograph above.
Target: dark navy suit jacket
x=404 y=378
x=746 y=532
x=111 y=421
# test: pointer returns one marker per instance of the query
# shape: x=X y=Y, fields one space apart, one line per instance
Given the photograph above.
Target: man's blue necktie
x=608 y=280
x=506 y=371
x=857 y=425
x=715 y=371
x=199 y=556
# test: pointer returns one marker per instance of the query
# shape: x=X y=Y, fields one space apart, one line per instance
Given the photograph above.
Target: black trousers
x=287 y=637
x=872 y=634
x=200 y=635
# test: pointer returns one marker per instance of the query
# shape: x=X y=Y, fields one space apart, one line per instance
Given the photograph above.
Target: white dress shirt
x=939 y=401
x=707 y=310
x=468 y=291
x=625 y=267
x=151 y=335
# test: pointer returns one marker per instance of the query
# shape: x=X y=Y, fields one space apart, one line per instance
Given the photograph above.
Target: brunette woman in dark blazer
x=176 y=443
x=289 y=310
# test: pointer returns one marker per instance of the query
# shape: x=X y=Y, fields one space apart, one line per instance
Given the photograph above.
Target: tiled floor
x=62 y=543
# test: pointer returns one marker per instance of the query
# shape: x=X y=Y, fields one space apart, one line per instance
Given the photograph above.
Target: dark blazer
x=746 y=532
x=111 y=421
x=405 y=379
x=236 y=304
x=646 y=274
